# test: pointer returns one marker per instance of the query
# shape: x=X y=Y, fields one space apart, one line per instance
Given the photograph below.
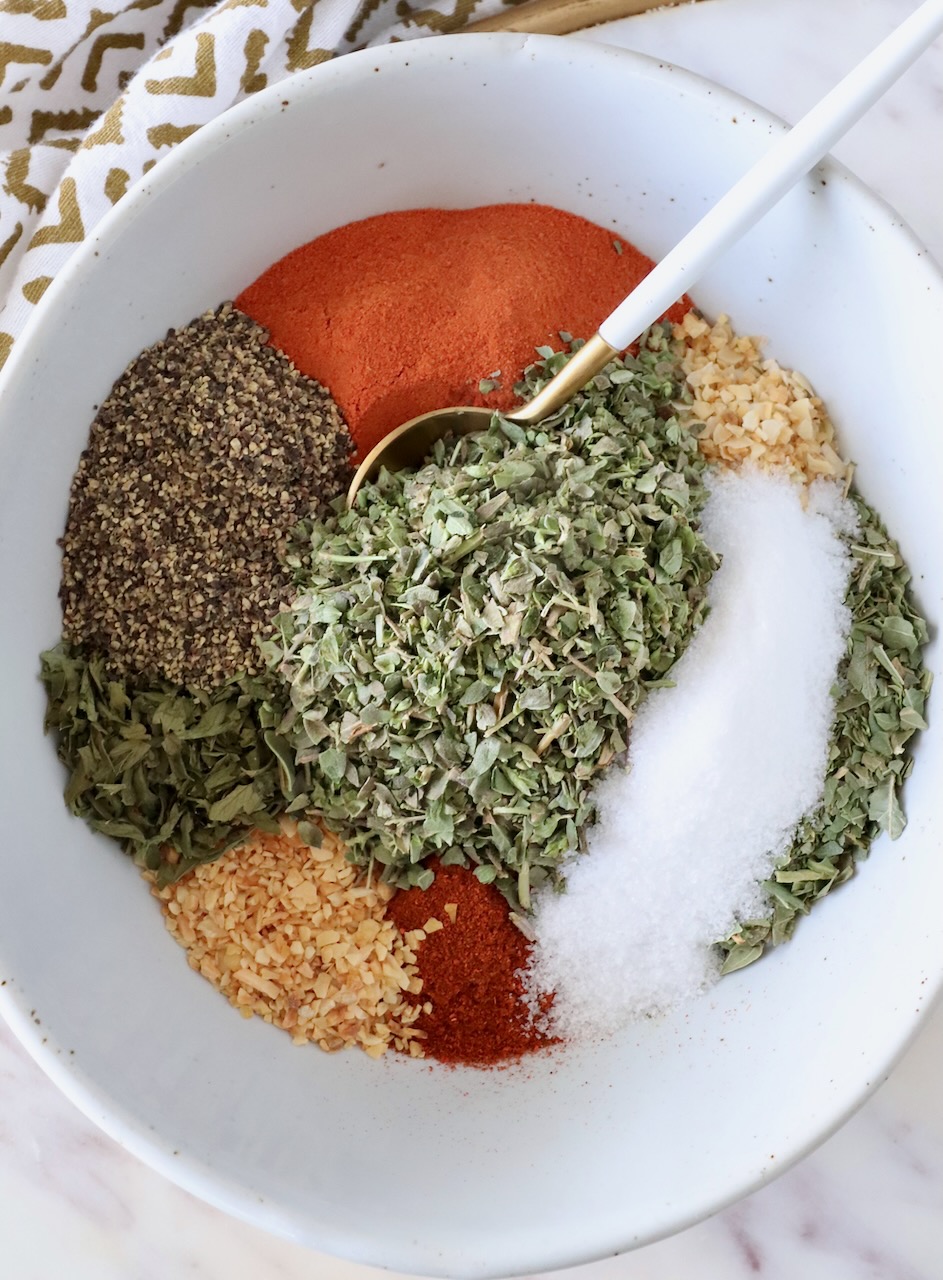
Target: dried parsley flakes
x=176 y=775
x=880 y=700
x=471 y=641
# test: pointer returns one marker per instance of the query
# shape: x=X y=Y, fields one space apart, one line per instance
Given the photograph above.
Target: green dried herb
x=471 y=641
x=880 y=700
x=178 y=776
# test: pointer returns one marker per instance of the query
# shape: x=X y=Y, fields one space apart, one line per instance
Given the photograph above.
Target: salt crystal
x=722 y=767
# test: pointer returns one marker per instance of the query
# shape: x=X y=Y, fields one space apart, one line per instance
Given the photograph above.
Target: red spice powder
x=407 y=312
x=469 y=971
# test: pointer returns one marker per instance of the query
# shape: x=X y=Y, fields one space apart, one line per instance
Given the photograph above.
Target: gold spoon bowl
x=408 y=445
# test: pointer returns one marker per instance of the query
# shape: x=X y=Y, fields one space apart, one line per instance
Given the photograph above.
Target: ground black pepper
x=208 y=449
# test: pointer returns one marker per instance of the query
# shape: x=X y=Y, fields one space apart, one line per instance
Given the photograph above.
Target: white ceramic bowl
x=455 y=1172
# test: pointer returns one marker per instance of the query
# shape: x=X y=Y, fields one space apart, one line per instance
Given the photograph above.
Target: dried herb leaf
x=469 y=645
x=884 y=807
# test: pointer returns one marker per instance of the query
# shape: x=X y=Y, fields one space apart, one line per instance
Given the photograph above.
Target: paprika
x=407 y=312
x=470 y=970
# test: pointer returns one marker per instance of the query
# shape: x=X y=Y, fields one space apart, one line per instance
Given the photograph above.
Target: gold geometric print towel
x=92 y=98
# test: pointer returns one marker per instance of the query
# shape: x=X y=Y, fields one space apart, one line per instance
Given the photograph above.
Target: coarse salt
x=722 y=767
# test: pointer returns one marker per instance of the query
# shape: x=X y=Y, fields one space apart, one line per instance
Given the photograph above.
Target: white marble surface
x=868 y=1205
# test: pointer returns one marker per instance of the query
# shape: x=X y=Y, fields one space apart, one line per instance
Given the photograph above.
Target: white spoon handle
x=772 y=176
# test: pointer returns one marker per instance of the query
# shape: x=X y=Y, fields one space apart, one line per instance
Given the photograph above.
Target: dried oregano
x=880 y=700
x=470 y=643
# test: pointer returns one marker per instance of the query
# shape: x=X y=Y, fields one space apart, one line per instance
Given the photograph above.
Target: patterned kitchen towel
x=91 y=99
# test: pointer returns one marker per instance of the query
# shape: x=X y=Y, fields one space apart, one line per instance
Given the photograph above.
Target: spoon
x=763 y=186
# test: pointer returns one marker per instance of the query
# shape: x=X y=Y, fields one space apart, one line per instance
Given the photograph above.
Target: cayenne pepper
x=469 y=970
x=407 y=312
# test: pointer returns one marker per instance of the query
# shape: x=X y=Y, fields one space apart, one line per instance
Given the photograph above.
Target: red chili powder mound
x=407 y=312
x=469 y=970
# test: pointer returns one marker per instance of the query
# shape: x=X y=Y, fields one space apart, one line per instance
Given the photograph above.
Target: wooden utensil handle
x=560 y=17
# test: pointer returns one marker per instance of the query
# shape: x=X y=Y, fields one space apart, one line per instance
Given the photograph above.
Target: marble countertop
x=868 y=1205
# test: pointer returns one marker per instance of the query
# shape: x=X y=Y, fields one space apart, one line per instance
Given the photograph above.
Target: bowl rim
x=124 y=1127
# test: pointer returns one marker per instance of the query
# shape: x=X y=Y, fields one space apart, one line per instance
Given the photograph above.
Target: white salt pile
x=721 y=767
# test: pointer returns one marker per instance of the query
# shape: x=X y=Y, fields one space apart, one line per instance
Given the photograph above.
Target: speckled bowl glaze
x=594 y=1149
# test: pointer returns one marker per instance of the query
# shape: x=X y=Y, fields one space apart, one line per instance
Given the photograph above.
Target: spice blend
x=460 y=668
